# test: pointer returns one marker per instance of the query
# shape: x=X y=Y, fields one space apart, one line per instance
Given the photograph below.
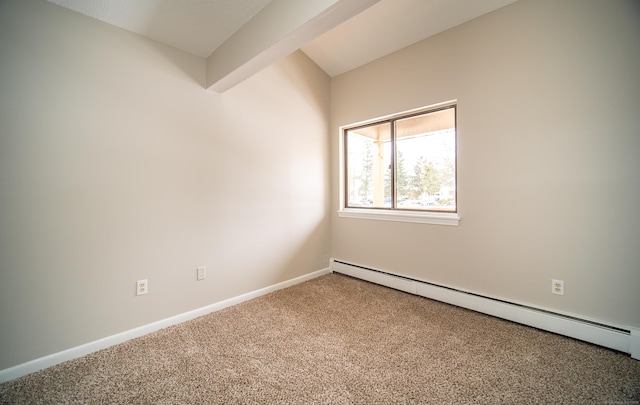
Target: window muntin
x=403 y=163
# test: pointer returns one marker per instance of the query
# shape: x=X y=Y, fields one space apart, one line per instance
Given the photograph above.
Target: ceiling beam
x=276 y=31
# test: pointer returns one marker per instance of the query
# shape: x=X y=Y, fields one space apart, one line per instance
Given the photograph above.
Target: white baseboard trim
x=41 y=363
x=634 y=343
x=626 y=340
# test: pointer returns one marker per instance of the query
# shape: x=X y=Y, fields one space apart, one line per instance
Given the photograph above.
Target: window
x=403 y=167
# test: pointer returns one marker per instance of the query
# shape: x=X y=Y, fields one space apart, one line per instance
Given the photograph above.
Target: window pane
x=369 y=166
x=426 y=161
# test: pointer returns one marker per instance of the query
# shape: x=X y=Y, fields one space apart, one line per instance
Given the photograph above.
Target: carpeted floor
x=338 y=340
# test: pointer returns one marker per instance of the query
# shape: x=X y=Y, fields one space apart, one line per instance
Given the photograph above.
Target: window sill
x=434 y=218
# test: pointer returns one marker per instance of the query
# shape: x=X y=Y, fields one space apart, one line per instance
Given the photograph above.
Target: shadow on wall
x=309 y=90
x=194 y=67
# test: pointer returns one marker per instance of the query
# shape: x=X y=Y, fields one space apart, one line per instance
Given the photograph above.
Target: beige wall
x=548 y=144
x=116 y=165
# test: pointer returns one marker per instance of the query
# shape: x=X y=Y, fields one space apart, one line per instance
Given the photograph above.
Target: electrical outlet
x=142 y=287
x=557 y=287
x=202 y=272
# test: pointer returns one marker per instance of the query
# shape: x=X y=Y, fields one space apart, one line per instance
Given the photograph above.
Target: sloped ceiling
x=339 y=35
x=388 y=26
x=198 y=27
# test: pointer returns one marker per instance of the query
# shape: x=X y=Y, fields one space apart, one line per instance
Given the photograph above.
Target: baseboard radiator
x=626 y=340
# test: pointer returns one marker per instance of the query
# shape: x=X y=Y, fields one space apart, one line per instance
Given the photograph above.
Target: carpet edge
x=50 y=360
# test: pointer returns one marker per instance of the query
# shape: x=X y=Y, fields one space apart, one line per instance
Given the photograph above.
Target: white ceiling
x=199 y=27
x=388 y=26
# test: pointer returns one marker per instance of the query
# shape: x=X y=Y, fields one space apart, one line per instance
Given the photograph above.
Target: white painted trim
x=41 y=363
x=435 y=218
x=565 y=324
x=634 y=343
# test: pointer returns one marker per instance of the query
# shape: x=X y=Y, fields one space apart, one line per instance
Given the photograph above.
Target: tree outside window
x=404 y=163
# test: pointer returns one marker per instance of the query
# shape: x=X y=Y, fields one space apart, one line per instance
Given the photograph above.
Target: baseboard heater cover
x=613 y=337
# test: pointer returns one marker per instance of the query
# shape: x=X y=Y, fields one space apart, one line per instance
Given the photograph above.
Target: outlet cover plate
x=557 y=287
x=142 y=287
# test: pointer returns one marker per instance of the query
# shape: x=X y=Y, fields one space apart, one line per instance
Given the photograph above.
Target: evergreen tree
x=366 y=177
x=402 y=181
x=417 y=184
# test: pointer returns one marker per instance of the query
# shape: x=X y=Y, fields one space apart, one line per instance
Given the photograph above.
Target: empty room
x=322 y=201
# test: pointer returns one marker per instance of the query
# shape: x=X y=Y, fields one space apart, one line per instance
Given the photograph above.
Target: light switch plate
x=202 y=273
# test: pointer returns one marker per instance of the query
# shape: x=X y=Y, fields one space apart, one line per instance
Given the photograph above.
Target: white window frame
x=422 y=217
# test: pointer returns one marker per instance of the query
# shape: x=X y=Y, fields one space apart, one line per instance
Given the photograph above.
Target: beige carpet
x=338 y=340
